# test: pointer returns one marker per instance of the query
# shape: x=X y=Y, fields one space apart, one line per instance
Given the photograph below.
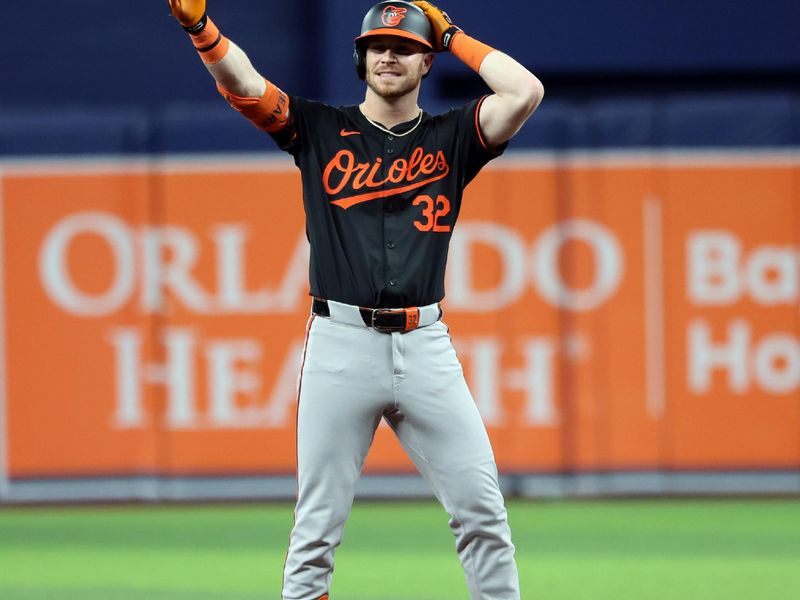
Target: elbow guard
x=269 y=113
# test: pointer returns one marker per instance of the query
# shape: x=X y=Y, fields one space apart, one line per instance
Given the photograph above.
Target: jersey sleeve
x=474 y=152
x=288 y=138
x=305 y=118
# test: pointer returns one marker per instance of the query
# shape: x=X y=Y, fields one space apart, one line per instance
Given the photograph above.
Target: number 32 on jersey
x=432 y=212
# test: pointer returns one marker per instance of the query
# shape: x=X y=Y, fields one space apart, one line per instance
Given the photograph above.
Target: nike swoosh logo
x=345 y=133
x=346 y=203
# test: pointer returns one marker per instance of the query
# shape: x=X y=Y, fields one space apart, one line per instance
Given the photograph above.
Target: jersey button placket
x=389 y=223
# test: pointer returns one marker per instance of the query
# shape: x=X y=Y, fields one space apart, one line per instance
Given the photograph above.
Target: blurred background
x=623 y=285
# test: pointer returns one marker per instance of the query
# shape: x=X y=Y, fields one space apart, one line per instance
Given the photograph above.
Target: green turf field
x=642 y=550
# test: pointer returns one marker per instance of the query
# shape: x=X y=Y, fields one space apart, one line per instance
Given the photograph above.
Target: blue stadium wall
x=90 y=78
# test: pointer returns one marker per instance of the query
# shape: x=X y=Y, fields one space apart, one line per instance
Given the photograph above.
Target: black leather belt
x=385 y=320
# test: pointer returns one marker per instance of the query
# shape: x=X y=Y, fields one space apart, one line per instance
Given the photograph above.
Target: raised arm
x=237 y=80
x=517 y=91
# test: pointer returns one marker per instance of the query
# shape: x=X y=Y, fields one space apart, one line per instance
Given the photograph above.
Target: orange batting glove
x=190 y=13
x=443 y=29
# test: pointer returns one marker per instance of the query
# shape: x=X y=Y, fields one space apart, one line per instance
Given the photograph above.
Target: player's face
x=395 y=65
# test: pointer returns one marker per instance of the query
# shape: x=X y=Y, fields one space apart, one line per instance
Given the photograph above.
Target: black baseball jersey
x=380 y=207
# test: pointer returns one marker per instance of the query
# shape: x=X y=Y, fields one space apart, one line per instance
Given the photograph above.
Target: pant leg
x=439 y=426
x=339 y=407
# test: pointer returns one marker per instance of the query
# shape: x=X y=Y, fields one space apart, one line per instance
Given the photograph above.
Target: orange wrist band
x=469 y=50
x=269 y=113
x=211 y=45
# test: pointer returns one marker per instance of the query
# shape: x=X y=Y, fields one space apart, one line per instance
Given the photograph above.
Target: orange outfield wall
x=608 y=317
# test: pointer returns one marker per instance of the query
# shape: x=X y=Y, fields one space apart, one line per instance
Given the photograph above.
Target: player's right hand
x=188 y=12
x=443 y=27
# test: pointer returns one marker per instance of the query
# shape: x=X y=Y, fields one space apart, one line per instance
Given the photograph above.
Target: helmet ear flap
x=360 y=62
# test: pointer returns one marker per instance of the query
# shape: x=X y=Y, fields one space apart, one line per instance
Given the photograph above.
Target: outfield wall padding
x=624 y=311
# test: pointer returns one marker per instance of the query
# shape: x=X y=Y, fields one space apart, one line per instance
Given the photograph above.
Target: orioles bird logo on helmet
x=392 y=15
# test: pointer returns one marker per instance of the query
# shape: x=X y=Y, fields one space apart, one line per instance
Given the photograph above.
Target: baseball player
x=382 y=189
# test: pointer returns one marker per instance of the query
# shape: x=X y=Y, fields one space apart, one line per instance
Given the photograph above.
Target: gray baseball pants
x=352 y=377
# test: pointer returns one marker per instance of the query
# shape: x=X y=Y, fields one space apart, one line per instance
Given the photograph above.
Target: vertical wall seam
x=4 y=430
x=653 y=278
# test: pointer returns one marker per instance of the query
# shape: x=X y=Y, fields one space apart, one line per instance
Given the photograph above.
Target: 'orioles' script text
x=419 y=169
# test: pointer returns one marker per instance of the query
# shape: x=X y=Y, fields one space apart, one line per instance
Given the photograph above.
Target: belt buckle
x=382 y=311
x=411 y=319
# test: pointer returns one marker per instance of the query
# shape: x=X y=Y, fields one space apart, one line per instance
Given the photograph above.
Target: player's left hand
x=443 y=28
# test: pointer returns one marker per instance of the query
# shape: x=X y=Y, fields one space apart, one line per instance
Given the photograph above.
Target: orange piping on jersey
x=478 y=123
x=269 y=113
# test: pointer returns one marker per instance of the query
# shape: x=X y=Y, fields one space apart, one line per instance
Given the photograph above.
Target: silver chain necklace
x=389 y=131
